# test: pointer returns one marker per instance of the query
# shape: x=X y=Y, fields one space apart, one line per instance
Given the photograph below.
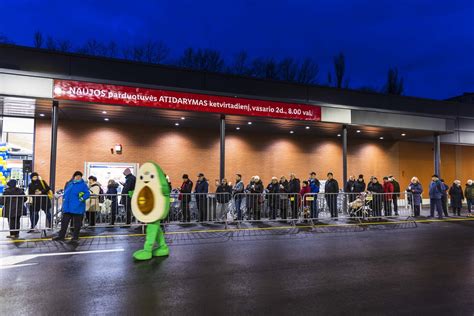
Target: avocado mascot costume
x=150 y=204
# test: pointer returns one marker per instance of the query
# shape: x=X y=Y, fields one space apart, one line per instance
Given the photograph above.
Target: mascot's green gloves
x=153 y=234
x=150 y=204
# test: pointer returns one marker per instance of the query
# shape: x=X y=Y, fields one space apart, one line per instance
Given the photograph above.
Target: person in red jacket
x=388 y=195
x=305 y=189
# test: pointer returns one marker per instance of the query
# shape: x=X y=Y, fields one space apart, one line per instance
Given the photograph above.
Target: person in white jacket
x=93 y=203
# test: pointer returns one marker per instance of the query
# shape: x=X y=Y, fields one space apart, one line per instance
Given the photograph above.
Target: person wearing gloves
x=74 y=207
x=13 y=201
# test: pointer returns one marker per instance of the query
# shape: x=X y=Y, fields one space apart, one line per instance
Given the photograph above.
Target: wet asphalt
x=380 y=270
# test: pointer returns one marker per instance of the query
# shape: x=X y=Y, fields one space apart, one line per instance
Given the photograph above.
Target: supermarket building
x=68 y=112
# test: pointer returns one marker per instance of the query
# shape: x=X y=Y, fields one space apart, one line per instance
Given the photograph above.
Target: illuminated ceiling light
x=307 y=127
x=338 y=135
x=104 y=112
x=403 y=134
x=381 y=137
x=106 y=119
x=358 y=131
x=237 y=128
x=42 y=115
x=249 y=123
x=291 y=132
x=176 y=124
x=182 y=118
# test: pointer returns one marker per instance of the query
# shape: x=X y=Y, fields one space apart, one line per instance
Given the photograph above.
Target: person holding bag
x=40 y=199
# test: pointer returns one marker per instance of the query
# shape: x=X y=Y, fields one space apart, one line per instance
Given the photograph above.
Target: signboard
x=165 y=99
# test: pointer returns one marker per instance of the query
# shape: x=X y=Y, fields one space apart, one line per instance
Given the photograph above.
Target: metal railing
x=38 y=212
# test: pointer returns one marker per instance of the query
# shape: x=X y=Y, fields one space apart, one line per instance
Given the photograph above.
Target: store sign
x=164 y=99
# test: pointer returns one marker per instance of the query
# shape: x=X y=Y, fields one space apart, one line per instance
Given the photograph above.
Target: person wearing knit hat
x=13 y=202
x=41 y=200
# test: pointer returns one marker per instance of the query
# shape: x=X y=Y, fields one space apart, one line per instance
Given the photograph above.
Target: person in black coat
x=444 y=198
x=126 y=200
x=457 y=196
x=273 y=199
x=111 y=195
x=223 y=197
x=284 y=190
x=200 y=193
x=359 y=185
x=331 y=190
x=349 y=188
x=185 y=197
x=255 y=190
x=294 y=189
x=13 y=201
x=376 y=189
x=40 y=189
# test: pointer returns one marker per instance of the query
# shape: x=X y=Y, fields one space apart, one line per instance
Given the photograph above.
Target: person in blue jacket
x=314 y=186
x=74 y=206
x=436 y=194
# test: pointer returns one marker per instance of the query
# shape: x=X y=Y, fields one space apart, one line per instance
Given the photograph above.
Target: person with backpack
x=93 y=203
x=396 y=193
x=13 y=201
x=436 y=194
x=40 y=199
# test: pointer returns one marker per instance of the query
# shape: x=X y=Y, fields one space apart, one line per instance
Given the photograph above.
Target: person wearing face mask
x=74 y=207
x=469 y=195
x=414 y=191
x=457 y=196
x=41 y=200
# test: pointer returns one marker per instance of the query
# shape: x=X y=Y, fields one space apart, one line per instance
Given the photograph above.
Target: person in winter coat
x=74 y=206
x=349 y=188
x=387 y=197
x=469 y=195
x=396 y=193
x=201 y=190
x=314 y=186
x=39 y=190
x=294 y=189
x=436 y=194
x=93 y=203
x=414 y=193
x=223 y=197
x=126 y=200
x=305 y=189
x=111 y=195
x=185 y=197
x=331 y=190
x=13 y=201
x=237 y=192
x=273 y=197
x=376 y=189
x=444 y=198
x=359 y=185
x=284 y=197
x=457 y=196
x=256 y=190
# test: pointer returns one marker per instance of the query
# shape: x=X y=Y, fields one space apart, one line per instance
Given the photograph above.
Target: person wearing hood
x=126 y=200
x=13 y=201
x=201 y=190
x=74 y=207
x=359 y=185
x=415 y=189
x=111 y=195
x=469 y=195
x=40 y=200
x=93 y=203
x=457 y=196
x=273 y=199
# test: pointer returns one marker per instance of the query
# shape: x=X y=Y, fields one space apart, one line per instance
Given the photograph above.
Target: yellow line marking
x=251 y=229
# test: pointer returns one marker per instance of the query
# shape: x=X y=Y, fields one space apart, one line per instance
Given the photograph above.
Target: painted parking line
x=14 y=261
x=223 y=230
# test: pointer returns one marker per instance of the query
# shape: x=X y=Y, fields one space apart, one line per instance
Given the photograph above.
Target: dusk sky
x=431 y=42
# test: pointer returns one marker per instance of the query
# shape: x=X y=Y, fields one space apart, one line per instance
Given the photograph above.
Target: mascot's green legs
x=153 y=234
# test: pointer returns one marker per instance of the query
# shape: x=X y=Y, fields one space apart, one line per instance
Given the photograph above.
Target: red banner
x=164 y=99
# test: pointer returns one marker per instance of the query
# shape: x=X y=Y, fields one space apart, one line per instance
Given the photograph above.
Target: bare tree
x=264 y=68
x=63 y=45
x=50 y=43
x=38 y=39
x=339 y=69
x=287 y=69
x=307 y=72
x=394 y=83
x=205 y=60
x=92 y=47
x=239 y=66
x=111 y=50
